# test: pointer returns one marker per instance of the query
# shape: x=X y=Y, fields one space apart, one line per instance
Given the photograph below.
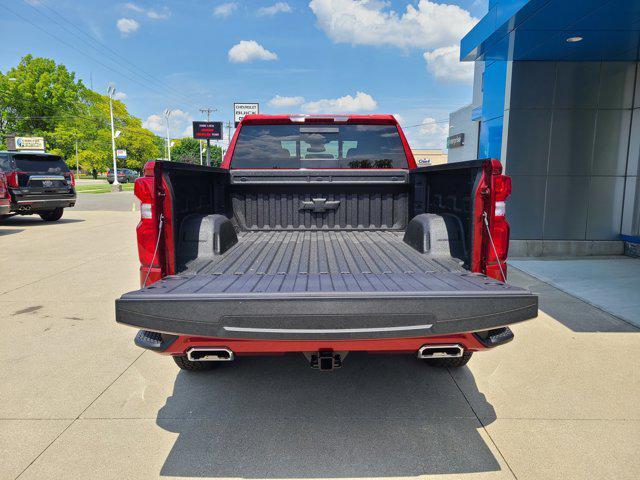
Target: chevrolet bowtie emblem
x=320 y=205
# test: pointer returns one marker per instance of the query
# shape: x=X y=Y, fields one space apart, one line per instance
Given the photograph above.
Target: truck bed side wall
x=273 y=200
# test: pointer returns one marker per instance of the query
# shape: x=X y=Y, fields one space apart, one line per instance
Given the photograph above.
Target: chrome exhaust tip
x=207 y=354
x=441 y=351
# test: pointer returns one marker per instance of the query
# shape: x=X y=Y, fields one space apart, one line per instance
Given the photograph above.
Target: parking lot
x=79 y=400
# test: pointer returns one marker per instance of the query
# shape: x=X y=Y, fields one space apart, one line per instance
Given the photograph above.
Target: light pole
x=167 y=112
x=111 y=91
x=208 y=111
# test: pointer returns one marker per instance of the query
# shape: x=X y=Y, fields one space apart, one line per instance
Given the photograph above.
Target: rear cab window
x=319 y=146
x=44 y=164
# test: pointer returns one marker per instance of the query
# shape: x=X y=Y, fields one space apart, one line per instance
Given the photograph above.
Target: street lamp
x=167 y=112
x=111 y=91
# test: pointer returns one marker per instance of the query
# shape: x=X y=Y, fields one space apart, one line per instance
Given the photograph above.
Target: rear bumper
x=167 y=344
x=41 y=203
x=324 y=317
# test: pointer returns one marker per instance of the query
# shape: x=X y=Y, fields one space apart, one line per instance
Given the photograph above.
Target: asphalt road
x=79 y=400
x=109 y=202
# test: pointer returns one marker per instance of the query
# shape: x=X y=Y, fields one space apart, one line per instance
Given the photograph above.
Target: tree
x=45 y=99
x=36 y=95
x=188 y=150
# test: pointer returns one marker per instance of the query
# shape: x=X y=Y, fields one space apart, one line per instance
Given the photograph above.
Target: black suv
x=39 y=183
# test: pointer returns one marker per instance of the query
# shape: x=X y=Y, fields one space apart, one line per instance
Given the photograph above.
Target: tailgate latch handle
x=320 y=205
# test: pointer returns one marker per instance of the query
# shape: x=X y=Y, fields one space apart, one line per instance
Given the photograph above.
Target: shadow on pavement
x=4 y=232
x=275 y=417
x=21 y=220
x=574 y=313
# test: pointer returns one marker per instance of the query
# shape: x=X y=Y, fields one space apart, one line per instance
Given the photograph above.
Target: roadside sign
x=207 y=130
x=240 y=110
x=121 y=153
x=455 y=141
x=25 y=143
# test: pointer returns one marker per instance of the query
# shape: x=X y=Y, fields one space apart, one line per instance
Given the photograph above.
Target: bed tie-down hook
x=155 y=251
x=485 y=218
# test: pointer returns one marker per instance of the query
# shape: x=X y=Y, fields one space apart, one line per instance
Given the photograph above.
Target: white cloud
x=430 y=134
x=120 y=96
x=225 y=9
x=362 y=102
x=278 y=7
x=435 y=27
x=444 y=63
x=280 y=101
x=127 y=26
x=428 y=25
x=179 y=124
x=133 y=7
x=249 y=50
x=162 y=14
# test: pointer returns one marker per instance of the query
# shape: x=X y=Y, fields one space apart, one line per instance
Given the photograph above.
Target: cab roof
x=296 y=119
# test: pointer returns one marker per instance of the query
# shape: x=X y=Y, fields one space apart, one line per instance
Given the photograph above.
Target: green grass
x=101 y=188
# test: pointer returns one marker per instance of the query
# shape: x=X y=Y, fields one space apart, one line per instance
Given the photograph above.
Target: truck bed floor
x=278 y=261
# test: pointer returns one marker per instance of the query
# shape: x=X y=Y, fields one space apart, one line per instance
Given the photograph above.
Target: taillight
x=497 y=267
x=71 y=179
x=12 y=179
x=3 y=186
x=149 y=168
x=147 y=229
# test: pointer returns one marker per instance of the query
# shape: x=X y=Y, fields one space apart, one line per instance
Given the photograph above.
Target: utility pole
x=111 y=91
x=167 y=112
x=228 y=136
x=77 y=168
x=208 y=111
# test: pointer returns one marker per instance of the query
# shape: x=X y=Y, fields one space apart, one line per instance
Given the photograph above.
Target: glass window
x=40 y=164
x=319 y=146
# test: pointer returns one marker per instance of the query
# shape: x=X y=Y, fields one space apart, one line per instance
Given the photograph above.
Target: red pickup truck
x=320 y=235
x=5 y=198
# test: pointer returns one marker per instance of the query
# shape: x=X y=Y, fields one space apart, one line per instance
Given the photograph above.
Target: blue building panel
x=490 y=141
x=539 y=29
x=493 y=90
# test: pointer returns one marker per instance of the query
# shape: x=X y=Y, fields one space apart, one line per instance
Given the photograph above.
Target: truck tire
x=455 y=362
x=53 y=215
x=185 y=364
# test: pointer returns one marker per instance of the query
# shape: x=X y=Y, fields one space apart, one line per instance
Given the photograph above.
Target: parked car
x=125 y=175
x=320 y=235
x=38 y=183
x=5 y=198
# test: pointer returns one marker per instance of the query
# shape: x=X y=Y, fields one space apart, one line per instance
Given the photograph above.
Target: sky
x=294 y=56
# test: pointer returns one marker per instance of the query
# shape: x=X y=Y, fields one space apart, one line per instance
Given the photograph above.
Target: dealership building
x=556 y=98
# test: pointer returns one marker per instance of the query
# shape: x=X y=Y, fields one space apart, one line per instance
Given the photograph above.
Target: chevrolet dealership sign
x=240 y=110
x=25 y=143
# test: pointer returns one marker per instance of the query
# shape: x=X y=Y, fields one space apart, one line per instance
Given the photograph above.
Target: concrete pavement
x=81 y=401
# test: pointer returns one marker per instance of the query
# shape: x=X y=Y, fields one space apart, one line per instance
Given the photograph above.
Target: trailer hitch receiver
x=326 y=360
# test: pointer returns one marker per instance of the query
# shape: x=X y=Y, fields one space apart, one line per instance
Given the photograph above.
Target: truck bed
x=324 y=284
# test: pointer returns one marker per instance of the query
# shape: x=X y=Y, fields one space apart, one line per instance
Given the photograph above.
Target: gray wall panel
x=577 y=85
x=532 y=84
x=525 y=207
x=605 y=208
x=528 y=142
x=634 y=144
x=566 y=208
x=631 y=208
x=612 y=141
x=616 y=85
x=572 y=135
